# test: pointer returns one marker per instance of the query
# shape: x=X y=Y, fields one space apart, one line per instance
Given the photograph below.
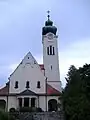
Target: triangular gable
x=28 y=59
x=27 y=92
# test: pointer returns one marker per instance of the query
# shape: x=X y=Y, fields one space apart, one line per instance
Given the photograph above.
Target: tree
x=5 y=116
x=76 y=95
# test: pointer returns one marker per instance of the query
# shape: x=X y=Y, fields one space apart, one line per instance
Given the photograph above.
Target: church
x=32 y=84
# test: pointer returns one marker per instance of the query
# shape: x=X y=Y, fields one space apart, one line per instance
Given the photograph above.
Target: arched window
x=38 y=84
x=16 y=84
x=2 y=104
x=27 y=84
x=52 y=105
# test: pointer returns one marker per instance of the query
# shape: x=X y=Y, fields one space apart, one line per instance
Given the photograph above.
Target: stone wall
x=42 y=116
x=48 y=116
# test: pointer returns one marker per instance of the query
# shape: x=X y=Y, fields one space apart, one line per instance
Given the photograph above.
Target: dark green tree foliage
x=5 y=116
x=76 y=95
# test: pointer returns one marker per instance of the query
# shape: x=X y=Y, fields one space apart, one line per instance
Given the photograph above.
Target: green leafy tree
x=5 y=116
x=76 y=95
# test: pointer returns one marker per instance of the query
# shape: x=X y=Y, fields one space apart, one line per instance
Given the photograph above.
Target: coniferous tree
x=76 y=95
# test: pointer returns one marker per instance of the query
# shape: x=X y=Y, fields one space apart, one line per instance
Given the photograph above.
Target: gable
x=28 y=70
x=27 y=92
x=29 y=60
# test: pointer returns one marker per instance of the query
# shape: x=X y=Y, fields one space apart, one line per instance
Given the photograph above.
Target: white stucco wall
x=27 y=71
x=3 y=98
x=42 y=102
x=12 y=102
x=48 y=60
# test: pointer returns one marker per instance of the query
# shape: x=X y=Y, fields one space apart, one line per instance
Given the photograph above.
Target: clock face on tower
x=50 y=36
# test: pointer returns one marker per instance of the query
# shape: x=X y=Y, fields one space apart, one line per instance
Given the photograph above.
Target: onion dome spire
x=49 y=26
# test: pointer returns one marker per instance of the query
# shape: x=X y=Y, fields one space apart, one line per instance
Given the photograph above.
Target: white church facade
x=32 y=84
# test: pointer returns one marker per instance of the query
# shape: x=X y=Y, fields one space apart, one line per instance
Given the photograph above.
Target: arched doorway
x=52 y=105
x=2 y=104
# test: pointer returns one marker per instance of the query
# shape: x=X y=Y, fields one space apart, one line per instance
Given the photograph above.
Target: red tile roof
x=51 y=90
x=4 y=90
x=42 y=66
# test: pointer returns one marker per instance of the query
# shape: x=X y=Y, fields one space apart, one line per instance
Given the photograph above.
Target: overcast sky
x=21 y=23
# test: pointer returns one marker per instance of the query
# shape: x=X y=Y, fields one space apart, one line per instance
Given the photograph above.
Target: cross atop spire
x=48 y=14
x=49 y=27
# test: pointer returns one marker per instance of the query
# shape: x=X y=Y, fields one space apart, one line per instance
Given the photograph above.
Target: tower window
x=38 y=84
x=51 y=67
x=27 y=84
x=53 y=51
x=16 y=84
x=48 y=50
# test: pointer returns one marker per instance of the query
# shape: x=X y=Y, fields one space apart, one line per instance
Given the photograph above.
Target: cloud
x=76 y=54
x=12 y=67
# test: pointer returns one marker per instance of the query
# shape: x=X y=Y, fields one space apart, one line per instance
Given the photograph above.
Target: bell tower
x=50 y=54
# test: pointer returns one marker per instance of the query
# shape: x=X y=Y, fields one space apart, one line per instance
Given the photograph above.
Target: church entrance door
x=52 y=105
x=26 y=102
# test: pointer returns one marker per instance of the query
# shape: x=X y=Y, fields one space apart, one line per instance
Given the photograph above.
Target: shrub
x=12 y=110
x=34 y=109
x=5 y=116
x=25 y=109
x=39 y=109
x=30 y=109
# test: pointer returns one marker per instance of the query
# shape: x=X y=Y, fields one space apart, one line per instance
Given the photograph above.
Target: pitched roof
x=42 y=66
x=28 y=59
x=5 y=90
x=27 y=92
x=51 y=90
